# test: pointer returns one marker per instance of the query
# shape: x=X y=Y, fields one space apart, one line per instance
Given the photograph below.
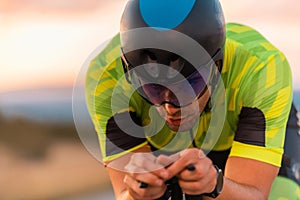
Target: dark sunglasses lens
x=155 y=93
x=197 y=82
x=179 y=94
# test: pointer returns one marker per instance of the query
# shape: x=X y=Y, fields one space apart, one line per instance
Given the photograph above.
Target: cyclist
x=179 y=93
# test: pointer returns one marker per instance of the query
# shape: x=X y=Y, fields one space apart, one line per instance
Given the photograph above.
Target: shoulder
x=107 y=58
x=256 y=74
x=245 y=39
x=105 y=70
x=243 y=34
x=104 y=78
x=248 y=52
x=107 y=90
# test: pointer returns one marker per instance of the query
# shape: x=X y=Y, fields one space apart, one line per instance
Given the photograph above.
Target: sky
x=44 y=43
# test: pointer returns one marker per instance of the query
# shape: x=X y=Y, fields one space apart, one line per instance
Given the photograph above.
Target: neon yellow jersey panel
x=257 y=99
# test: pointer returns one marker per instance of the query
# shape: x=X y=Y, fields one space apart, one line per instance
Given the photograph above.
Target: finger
x=132 y=184
x=142 y=176
x=146 y=161
x=192 y=188
x=151 y=192
x=167 y=160
x=142 y=163
x=203 y=185
x=196 y=171
x=187 y=159
x=175 y=157
x=135 y=193
x=193 y=152
x=145 y=178
x=149 y=179
x=197 y=183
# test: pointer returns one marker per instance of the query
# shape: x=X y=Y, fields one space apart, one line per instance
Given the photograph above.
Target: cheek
x=196 y=108
x=162 y=112
x=202 y=101
x=201 y=106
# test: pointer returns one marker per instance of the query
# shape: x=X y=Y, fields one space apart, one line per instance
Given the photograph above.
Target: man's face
x=183 y=119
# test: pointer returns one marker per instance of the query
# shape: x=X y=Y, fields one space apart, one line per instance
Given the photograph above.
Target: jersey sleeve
x=112 y=104
x=262 y=89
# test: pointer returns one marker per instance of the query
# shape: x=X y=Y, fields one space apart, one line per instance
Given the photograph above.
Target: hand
x=143 y=170
x=196 y=173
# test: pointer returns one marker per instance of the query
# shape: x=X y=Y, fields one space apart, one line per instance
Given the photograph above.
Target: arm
x=244 y=178
x=247 y=179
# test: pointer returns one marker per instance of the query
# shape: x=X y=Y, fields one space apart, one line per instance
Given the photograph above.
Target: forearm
x=124 y=196
x=236 y=191
x=247 y=179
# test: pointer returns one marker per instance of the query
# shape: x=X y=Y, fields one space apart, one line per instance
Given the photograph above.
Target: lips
x=176 y=121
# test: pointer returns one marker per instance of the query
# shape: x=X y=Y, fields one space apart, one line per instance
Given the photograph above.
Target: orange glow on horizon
x=45 y=43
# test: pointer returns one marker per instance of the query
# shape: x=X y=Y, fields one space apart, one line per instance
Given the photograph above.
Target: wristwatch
x=219 y=185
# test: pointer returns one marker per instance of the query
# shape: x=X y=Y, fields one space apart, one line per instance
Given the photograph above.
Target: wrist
x=219 y=184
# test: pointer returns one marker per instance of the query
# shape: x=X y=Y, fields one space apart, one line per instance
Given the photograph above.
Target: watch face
x=219 y=185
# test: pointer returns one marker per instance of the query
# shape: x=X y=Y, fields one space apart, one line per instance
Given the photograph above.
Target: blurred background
x=43 y=47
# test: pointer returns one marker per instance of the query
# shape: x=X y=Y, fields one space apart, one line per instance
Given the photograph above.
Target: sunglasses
x=159 y=84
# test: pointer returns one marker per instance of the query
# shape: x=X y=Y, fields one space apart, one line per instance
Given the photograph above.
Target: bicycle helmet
x=168 y=45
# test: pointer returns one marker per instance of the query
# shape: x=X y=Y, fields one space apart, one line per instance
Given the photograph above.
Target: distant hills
x=51 y=104
x=36 y=95
x=45 y=104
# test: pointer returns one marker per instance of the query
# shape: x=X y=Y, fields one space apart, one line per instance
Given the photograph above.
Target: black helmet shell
x=201 y=20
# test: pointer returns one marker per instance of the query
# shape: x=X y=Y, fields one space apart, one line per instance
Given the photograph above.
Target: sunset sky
x=43 y=43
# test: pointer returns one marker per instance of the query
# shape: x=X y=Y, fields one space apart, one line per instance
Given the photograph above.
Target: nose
x=171 y=109
x=169 y=96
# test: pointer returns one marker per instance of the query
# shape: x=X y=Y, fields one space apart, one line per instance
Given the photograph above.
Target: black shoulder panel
x=118 y=140
x=251 y=127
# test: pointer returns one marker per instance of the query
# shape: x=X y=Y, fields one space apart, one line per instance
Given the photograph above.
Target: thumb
x=167 y=160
